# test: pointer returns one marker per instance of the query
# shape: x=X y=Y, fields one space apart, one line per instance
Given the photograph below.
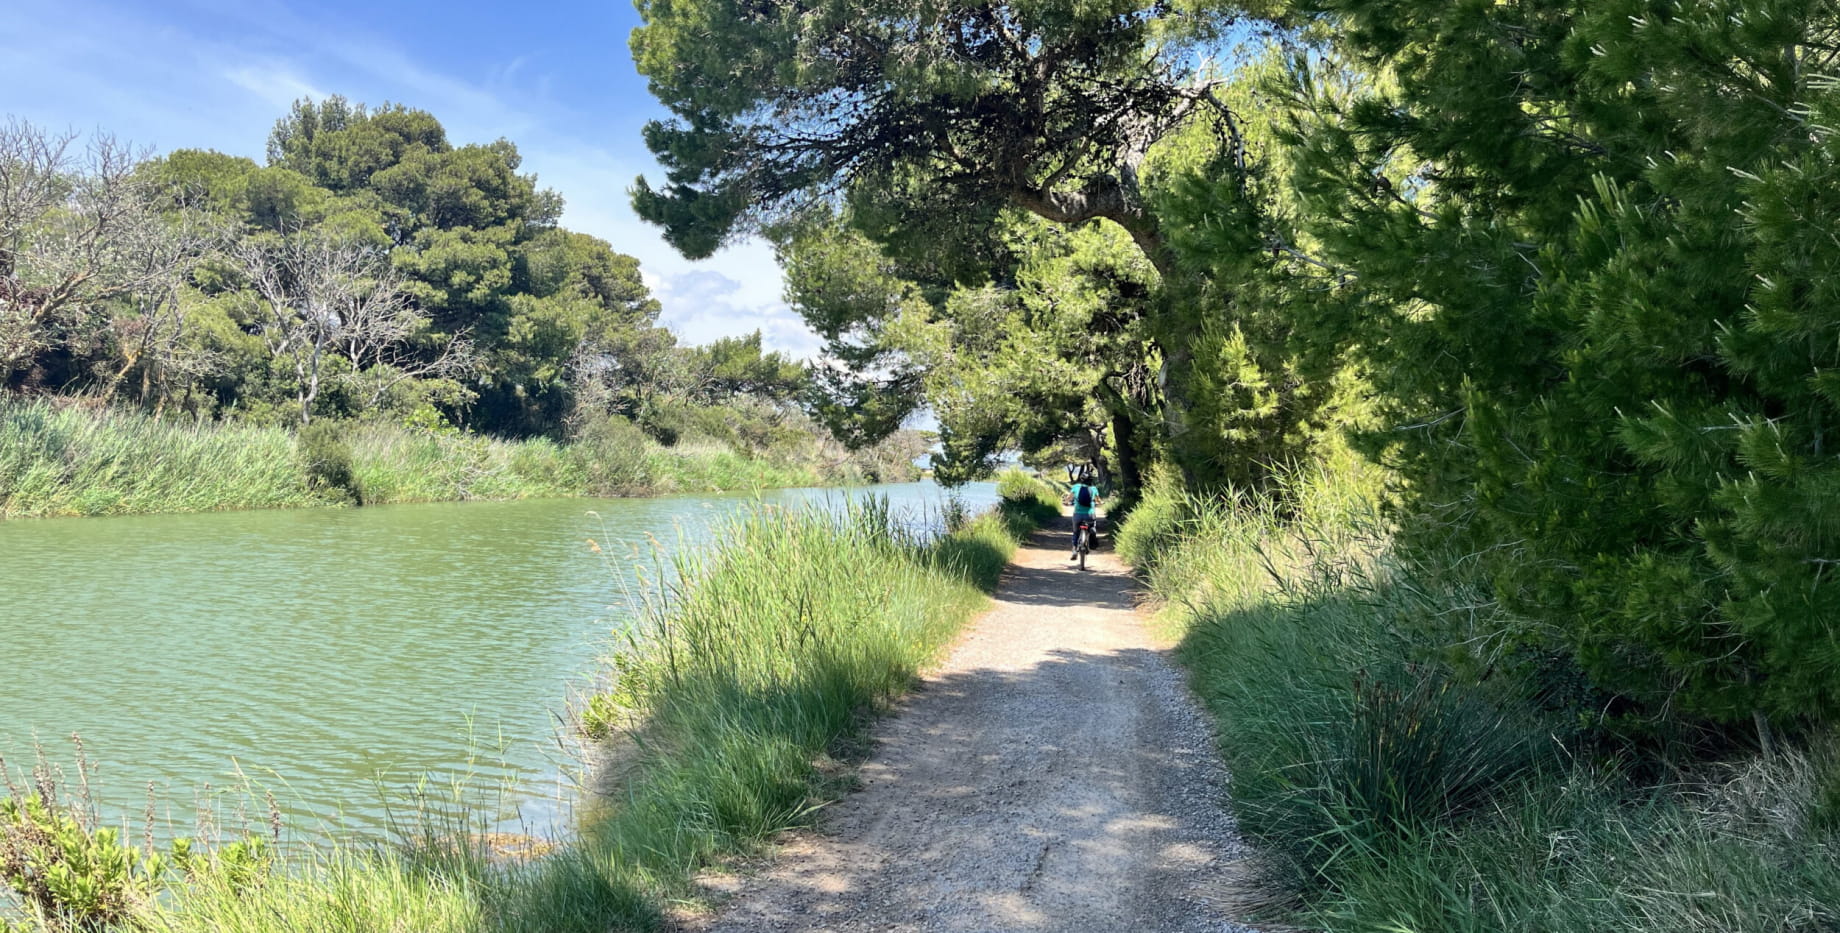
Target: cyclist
x=1083 y=497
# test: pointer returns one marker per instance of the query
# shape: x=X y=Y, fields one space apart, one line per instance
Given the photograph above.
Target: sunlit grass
x=67 y=460
x=74 y=461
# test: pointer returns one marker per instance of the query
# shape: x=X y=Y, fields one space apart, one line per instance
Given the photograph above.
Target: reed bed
x=73 y=461
x=67 y=460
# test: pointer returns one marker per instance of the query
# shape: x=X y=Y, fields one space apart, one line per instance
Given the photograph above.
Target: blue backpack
x=1084 y=497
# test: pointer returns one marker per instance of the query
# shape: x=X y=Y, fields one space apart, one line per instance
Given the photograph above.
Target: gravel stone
x=1053 y=774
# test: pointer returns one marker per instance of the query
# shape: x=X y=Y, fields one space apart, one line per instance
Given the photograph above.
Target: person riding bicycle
x=1084 y=497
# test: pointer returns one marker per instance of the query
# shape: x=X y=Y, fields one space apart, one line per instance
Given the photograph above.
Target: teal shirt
x=1079 y=512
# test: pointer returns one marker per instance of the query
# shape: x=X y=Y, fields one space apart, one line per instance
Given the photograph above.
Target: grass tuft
x=1399 y=771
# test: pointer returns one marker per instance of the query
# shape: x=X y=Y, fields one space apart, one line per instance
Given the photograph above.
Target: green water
x=334 y=658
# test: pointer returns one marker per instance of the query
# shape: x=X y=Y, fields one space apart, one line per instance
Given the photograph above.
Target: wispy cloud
x=273 y=84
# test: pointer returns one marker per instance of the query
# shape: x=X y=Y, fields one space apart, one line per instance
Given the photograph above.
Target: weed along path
x=1052 y=775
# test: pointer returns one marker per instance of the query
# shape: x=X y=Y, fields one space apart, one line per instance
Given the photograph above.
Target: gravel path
x=1052 y=774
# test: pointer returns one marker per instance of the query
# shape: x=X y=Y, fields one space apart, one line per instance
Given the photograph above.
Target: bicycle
x=1085 y=539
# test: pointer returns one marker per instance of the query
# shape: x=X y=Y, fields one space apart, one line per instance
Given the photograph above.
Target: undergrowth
x=1402 y=769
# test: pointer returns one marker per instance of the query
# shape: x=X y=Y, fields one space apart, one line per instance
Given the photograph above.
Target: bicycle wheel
x=1085 y=545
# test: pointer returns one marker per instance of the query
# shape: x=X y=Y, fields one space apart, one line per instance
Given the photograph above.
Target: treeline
x=369 y=271
x=1564 y=271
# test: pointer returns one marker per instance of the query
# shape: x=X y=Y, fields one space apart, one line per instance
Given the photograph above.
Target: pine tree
x=1595 y=242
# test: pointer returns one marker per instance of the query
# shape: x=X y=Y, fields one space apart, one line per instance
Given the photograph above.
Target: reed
x=66 y=460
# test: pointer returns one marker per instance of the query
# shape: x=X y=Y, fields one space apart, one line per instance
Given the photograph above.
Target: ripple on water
x=332 y=656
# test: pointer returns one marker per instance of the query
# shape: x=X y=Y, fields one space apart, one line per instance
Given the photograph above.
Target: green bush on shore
x=1028 y=497
x=1402 y=769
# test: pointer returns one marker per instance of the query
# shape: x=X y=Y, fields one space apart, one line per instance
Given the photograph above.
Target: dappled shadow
x=1081 y=792
x=1062 y=582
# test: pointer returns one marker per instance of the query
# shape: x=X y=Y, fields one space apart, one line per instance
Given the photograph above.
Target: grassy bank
x=67 y=460
x=726 y=715
x=1401 y=772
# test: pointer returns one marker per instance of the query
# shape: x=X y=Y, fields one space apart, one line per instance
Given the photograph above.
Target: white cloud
x=273 y=85
x=702 y=305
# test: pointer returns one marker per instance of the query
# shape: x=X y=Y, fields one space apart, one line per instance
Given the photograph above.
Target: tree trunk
x=1124 y=438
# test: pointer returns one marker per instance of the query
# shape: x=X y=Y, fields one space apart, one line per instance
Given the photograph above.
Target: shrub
x=1028 y=496
x=1155 y=523
x=614 y=455
x=70 y=874
x=325 y=457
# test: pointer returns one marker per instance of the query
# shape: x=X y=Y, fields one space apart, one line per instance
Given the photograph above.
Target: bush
x=1026 y=495
x=1155 y=523
x=325 y=457
x=614 y=454
x=1402 y=767
x=69 y=873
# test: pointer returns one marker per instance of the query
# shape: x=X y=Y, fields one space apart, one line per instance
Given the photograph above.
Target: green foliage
x=614 y=454
x=1350 y=732
x=68 y=873
x=949 y=105
x=71 y=875
x=1588 y=296
x=1156 y=523
x=513 y=316
x=1027 y=495
x=736 y=366
x=326 y=459
x=1593 y=851
x=1400 y=770
x=66 y=460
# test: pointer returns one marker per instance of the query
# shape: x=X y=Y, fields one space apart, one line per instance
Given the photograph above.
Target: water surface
x=335 y=658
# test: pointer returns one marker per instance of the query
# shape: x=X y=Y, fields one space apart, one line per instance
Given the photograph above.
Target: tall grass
x=1399 y=771
x=68 y=460
x=757 y=665
x=71 y=461
x=755 y=669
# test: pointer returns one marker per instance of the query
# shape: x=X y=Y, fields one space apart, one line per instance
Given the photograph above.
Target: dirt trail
x=1052 y=774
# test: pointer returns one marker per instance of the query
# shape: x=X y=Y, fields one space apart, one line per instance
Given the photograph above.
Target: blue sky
x=554 y=78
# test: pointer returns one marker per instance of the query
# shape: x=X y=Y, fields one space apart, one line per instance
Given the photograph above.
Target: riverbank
x=1400 y=771
x=765 y=658
x=67 y=460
